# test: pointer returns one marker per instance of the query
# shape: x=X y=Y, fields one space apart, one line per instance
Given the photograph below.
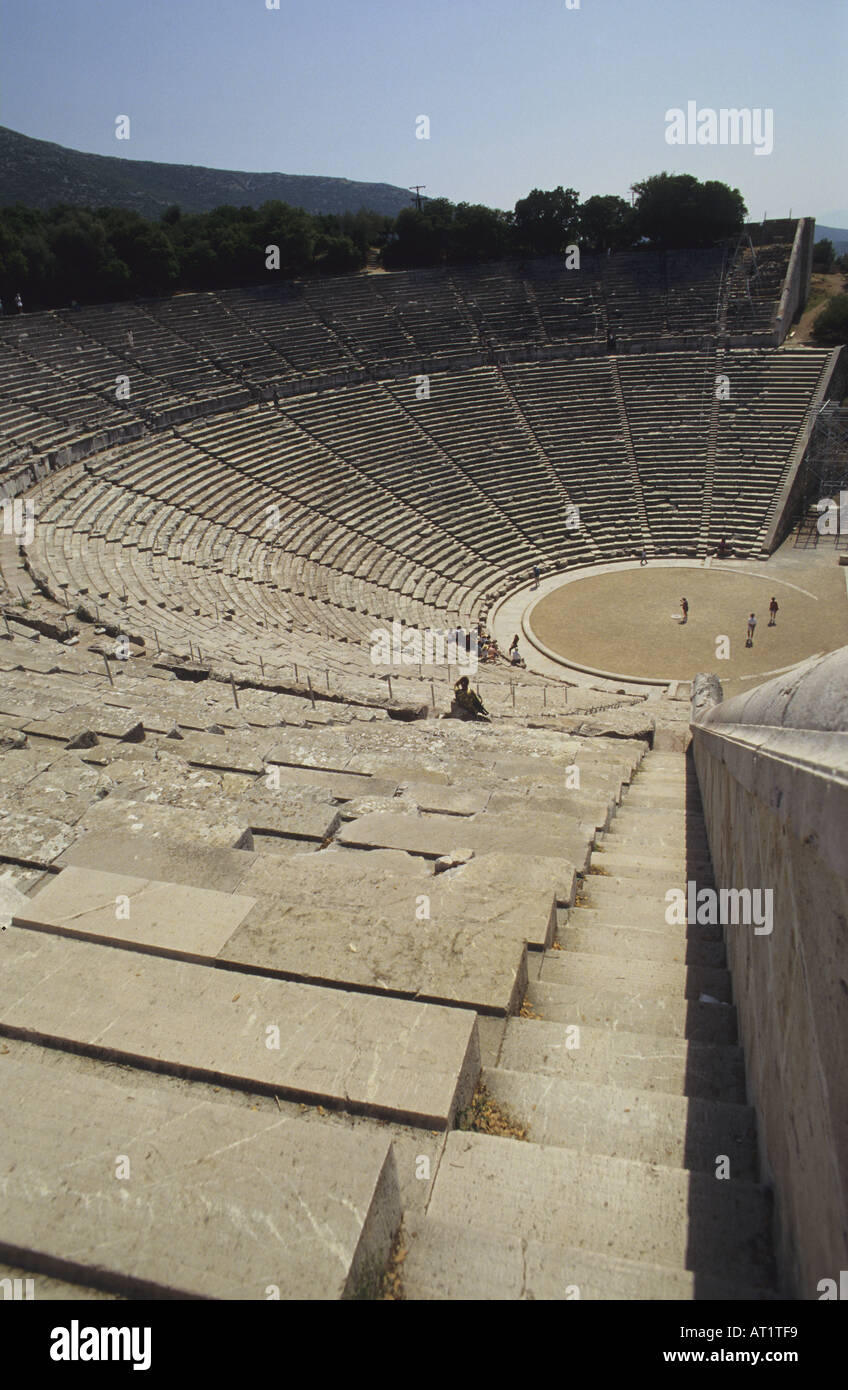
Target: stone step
x=45 y=1289
x=447 y=1260
x=391 y=1058
x=634 y=908
x=173 y=861
x=631 y=1210
x=643 y=945
x=636 y=1011
x=171 y=823
x=218 y=1201
x=311 y=918
x=605 y=875
x=625 y=1122
x=682 y=981
x=673 y=866
x=678 y=1066
x=620 y=919
x=653 y=818
x=558 y=837
x=692 y=845
x=664 y=779
x=678 y=803
x=648 y=815
x=649 y=776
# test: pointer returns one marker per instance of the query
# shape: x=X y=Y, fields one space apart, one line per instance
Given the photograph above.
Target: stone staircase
x=237 y=1009
x=640 y=1177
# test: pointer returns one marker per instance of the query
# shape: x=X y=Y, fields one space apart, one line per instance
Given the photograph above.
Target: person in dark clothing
x=774 y=609
x=468 y=700
x=684 y=608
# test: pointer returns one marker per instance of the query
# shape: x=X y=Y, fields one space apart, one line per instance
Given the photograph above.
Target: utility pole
x=416 y=189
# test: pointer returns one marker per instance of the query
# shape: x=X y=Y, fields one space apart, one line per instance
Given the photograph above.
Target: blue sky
x=519 y=95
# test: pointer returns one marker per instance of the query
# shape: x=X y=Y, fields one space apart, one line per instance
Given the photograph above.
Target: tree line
x=87 y=255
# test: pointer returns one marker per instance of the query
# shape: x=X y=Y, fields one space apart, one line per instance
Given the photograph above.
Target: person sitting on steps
x=468 y=700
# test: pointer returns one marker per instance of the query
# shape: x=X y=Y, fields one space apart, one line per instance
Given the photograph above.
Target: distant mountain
x=838 y=235
x=41 y=174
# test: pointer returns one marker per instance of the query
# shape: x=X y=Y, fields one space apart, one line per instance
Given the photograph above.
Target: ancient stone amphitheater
x=309 y=989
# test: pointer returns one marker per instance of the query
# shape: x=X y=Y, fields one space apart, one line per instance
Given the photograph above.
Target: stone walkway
x=638 y=1179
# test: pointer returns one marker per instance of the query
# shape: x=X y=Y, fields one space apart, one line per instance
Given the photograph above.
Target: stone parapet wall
x=796 y=286
x=772 y=768
x=785 y=507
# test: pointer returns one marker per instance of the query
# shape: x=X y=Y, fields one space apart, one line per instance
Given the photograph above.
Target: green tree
x=545 y=223
x=831 y=326
x=607 y=222
x=676 y=210
x=824 y=255
x=421 y=238
x=337 y=255
x=479 y=233
x=144 y=248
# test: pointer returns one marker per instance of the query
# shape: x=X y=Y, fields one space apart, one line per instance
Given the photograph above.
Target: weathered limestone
x=139 y=1192
x=773 y=771
x=457 y=936
x=387 y=1057
x=638 y=1211
x=147 y=856
x=102 y=721
x=450 y=1261
x=634 y=1010
x=683 y=1068
x=627 y=1122
x=115 y=907
x=171 y=822
x=435 y=836
x=33 y=839
x=342 y=786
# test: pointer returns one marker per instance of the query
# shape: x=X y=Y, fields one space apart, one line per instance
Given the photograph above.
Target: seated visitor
x=467 y=699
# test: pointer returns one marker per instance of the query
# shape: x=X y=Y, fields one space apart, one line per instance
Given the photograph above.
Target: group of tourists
x=465 y=698
x=489 y=650
x=773 y=608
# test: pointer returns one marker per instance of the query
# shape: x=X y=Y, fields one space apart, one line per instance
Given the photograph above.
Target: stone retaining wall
x=796 y=285
x=772 y=767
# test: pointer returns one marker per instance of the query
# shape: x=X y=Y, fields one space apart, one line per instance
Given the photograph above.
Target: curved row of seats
x=68 y=372
x=288 y=531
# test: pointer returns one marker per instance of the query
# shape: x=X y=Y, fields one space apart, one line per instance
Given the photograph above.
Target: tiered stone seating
x=568 y=301
x=289 y=325
x=770 y=395
x=319 y=976
x=428 y=308
x=668 y=405
x=302 y=991
x=437 y=504
x=755 y=281
x=61 y=367
x=572 y=410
